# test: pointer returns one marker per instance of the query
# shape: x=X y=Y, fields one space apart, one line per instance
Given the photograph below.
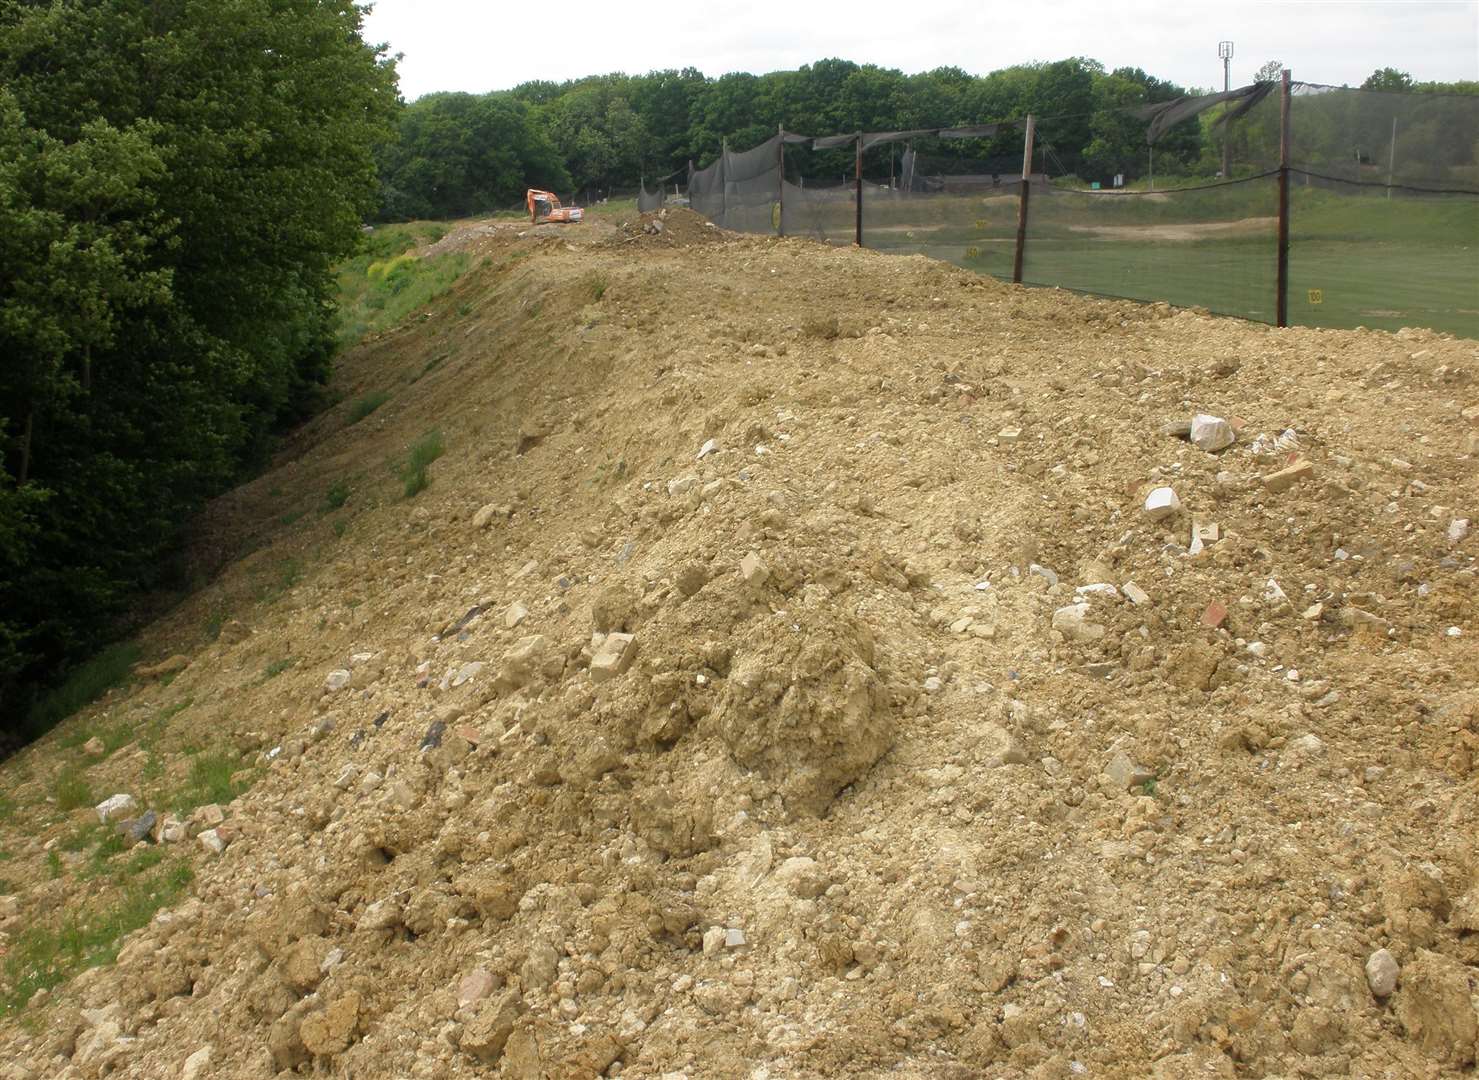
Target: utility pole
x=1225 y=53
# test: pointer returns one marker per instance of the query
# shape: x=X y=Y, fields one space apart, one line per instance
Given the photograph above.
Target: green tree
x=177 y=178
x=1389 y=79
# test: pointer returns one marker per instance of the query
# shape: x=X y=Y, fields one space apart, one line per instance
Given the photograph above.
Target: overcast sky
x=477 y=46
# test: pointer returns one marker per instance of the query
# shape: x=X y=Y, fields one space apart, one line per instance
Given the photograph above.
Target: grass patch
x=431 y=365
x=7 y=808
x=597 y=283
x=384 y=283
x=364 y=406
x=83 y=685
x=336 y=496
x=424 y=451
x=209 y=782
x=276 y=668
x=72 y=790
x=45 y=957
x=278 y=579
x=340 y=526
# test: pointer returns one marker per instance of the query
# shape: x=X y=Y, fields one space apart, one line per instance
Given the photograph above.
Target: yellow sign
x=972 y=253
x=1317 y=296
x=775 y=216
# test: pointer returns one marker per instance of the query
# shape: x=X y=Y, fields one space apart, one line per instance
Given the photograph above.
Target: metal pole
x=1152 y=167
x=1022 y=202
x=1226 y=128
x=780 y=178
x=1282 y=306
x=724 y=180
x=858 y=238
x=1392 y=161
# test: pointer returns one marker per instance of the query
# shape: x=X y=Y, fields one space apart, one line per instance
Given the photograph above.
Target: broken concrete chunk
x=1161 y=503
x=613 y=657
x=337 y=680
x=1211 y=433
x=1072 y=622
x=1135 y=593
x=116 y=806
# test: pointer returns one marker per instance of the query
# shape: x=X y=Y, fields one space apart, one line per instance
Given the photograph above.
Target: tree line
x=458 y=154
x=177 y=180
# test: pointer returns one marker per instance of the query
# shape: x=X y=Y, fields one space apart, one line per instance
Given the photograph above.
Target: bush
x=365 y=406
x=83 y=685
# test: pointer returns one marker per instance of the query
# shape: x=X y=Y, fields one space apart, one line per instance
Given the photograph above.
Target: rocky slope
x=783 y=676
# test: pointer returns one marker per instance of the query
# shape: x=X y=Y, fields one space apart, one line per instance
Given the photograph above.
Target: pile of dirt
x=669 y=227
x=783 y=676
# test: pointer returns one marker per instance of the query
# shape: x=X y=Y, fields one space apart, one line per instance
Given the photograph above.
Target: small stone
x=346 y=777
x=94 y=747
x=475 y=986
x=1214 y=615
x=1177 y=429
x=1211 y=433
x=116 y=806
x=613 y=657
x=433 y=737
x=682 y=486
x=1313 y=612
x=331 y=1030
x=753 y=569
x=1161 y=503
x=1135 y=593
x=1458 y=530
x=515 y=614
x=713 y=940
x=933 y=685
x=1287 y=478
x=196 y=1064
x=485 y=515
x=212 y=841
x=173 y=666
x=1072 y=622
x=1381 y=973
x=710 y=447
x=141 y=827
x=337 y=680
x=734 y=938
x=1034 y=570
x=1308 y=746
x=1124 y=774
x=1009 y=435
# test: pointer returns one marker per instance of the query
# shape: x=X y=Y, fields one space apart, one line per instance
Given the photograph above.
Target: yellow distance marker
x=1317 y=296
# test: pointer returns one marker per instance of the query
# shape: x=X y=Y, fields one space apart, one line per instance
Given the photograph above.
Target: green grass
x=43 y=957
x=424 y=451
x=336 y=496
x=277 y=579
x=7 y=808
x=365 y=405
x=209 y=782
x=276 y=668
x=383 y=284
x=83 y=685
x=72 y=790
x=431 y=365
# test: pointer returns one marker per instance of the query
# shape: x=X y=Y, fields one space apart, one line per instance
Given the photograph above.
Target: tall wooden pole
x=1282 y=306
x=858 y=182
x=780 y=180
x=1022 y=201
x=1392 y=160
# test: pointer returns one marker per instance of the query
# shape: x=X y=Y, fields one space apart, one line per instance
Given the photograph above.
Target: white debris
x=1161 y=503
x=1211 y=433
x=116 y=806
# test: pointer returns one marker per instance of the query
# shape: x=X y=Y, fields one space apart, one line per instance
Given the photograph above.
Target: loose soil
x=891 y=778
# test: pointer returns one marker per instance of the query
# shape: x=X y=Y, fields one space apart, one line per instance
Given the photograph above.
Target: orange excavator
x=545 y=206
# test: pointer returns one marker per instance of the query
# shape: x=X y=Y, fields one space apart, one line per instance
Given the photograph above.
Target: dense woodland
x=178 y=179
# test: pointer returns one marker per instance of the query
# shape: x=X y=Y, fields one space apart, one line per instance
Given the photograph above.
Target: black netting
x=649 y=201
x=1365 y=255
x=1177 y=202
x=1213 y=247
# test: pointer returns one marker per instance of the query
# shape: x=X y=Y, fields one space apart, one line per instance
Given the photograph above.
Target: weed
x=337 y=496
x=83 y=685
x=284 y=574
x=209 y=782
x=53 y=864
x=431 y=365
x=213 y=624
x=597 y=284
x=276 y=668
x=424 y=451
x=464 y=310
x=43 y=957
x=1148 y=788
x=7 y=808
x=72 y=790
x=365 y=405
x=340 y=526
x=144 y=860
x=291 y=517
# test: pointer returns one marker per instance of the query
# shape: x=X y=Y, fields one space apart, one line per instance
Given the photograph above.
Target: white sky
x=480 y=46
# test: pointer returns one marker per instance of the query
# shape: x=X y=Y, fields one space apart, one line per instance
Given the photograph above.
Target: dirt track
x=893 y=778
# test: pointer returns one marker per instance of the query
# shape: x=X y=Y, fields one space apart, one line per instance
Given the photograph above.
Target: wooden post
x=1281 y=309
x=858 y=238
x=1022 y=203
x=780 y=176
x=1392 y=160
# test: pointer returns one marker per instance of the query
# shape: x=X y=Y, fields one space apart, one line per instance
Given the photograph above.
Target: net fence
x=1176 y=201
